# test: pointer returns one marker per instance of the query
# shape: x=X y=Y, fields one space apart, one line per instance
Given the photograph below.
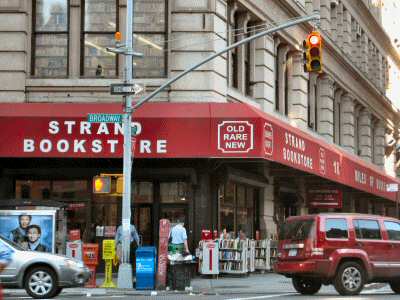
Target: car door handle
x=359 y=244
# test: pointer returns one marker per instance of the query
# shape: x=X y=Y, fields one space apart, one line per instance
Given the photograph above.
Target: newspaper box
x=145 y=268
x=90 y=253
x=74 y=249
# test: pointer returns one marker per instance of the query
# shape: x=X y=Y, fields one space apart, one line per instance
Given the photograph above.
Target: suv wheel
x=306 y=286
x=41 y=283
x=395 y=286
x=350 y=279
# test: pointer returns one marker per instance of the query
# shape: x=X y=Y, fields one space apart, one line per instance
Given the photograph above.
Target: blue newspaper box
x=145 y=268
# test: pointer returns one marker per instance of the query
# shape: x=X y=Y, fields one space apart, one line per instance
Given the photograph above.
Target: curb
x=102 y=292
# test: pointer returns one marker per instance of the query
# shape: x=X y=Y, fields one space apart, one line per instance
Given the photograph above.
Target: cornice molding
x=376 y=31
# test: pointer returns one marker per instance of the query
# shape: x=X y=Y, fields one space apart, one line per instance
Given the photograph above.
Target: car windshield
x=12 y=244
x=296 y=230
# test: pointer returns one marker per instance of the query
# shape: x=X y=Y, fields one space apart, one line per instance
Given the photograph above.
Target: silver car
x=42 y=275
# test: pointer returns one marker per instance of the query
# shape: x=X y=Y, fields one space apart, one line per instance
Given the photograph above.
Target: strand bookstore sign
x=182 y=130
x=324 y=197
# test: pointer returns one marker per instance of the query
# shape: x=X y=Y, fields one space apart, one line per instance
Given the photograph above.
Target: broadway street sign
x=104 y=118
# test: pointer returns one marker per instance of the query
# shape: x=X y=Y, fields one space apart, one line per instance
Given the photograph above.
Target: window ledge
x=236 y=95
x=87 y=82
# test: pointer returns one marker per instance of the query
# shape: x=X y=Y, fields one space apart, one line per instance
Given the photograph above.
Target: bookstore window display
x=237 y=208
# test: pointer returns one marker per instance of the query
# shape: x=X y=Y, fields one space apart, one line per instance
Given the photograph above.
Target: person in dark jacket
x=18 y=235
x=34 y=234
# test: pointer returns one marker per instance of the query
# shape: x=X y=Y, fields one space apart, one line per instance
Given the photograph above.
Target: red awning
x=181 y=130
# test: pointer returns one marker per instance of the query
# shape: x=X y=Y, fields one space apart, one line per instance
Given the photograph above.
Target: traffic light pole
x=125 y=268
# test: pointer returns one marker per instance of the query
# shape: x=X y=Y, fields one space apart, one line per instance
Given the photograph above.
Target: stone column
x=346 y=32
x=364 y=53
x=354 y=42
x=243 y=20
x=337 y=116
x=15 y=23
x=267 y=224
x=325 y=12
x=325 y=120
x=309 y=6
x=365 y=135
x=347 y=122
x=385 y=73
x=205 y=22
x=298 y=97
x=231 y=39
x=340 y=25
x=282 y=55
x=334 y=23
x=380 y=73
x=379 y=153
x=74 y=44
x=264 y=81
x=370 y=73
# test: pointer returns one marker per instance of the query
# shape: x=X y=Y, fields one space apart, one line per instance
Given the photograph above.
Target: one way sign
x=125 y=89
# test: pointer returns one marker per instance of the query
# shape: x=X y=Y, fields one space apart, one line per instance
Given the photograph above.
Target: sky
x=391 y=24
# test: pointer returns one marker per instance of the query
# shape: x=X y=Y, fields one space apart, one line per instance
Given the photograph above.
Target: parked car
x=41 y=274
x=346 y=250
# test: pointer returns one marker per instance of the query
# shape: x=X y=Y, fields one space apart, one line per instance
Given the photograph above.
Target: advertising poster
x=30 y=229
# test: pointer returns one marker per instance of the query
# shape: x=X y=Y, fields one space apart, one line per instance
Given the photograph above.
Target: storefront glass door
x=237 y=208
x=143 y=221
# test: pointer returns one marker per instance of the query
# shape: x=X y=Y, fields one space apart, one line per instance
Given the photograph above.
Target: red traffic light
x=314 y=39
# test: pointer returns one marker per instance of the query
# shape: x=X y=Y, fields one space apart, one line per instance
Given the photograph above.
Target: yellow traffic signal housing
x=313 y=52
x=102 y=184
x=120 y=185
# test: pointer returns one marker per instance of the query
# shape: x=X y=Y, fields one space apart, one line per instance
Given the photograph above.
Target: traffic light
x=120 y=185
x=312 y=52
x=102 y=184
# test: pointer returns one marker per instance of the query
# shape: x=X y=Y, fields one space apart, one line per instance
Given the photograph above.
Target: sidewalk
x=254 y=284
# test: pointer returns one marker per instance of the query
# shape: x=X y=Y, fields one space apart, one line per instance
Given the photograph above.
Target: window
x=367 y=229
x=336 y=229
x=100 y=22
x=296 y=230
x=393 y=230
x=149 y=38
x=50 y=38
x=142 y=192
x=173 y=192
x=237 y=208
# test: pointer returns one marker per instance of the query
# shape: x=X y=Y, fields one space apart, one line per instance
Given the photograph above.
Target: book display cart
x=262 y=255
x=233 y=256
x=251 y=257
x=208 y=254
x=265 y=254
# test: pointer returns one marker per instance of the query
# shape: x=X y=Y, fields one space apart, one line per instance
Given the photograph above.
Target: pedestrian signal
x=312 y=52
x=101 y=184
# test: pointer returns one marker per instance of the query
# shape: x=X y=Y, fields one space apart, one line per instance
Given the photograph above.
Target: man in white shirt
x=178 y=238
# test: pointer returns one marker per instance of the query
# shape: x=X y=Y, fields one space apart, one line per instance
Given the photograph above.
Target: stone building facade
x=54 y=52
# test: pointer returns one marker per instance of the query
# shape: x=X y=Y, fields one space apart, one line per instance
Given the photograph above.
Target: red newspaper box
x=206 y=234
x=90 y=254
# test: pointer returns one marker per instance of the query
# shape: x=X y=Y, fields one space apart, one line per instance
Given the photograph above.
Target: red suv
x=346 y=250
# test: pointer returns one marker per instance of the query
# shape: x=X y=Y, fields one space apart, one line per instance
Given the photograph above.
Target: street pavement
x=253 y=287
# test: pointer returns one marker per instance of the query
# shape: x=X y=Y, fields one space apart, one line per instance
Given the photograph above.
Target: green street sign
x=104 y=118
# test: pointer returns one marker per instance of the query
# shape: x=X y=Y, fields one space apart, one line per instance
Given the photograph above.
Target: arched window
x=281 y=78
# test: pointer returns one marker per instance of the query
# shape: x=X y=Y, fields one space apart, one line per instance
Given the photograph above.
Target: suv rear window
x=393 y=230
x=296 y=230
x=336 y=228
x=367 y=229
